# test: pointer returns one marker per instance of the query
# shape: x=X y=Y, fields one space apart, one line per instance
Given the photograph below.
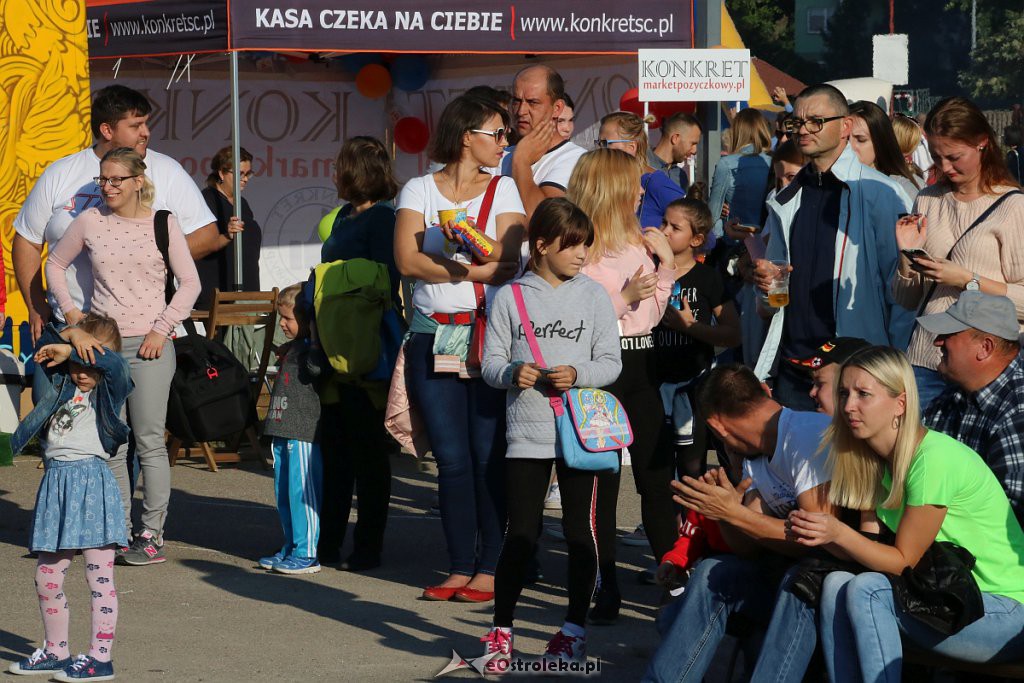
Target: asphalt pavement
x=210 y=614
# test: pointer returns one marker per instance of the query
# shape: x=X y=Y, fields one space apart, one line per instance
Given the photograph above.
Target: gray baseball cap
x=995 y=315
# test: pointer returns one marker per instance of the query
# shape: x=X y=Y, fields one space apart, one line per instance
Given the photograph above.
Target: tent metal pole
x=709 y=34
x=236 y=177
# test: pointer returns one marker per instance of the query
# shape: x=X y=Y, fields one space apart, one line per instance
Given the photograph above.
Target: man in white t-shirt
x=66 y=189
x=783 y=470
x=542 y=161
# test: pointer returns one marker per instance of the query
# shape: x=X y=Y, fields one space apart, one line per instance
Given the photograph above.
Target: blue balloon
x=410 y=72
x=354 y=62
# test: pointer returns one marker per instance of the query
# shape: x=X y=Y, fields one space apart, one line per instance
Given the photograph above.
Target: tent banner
x=156 y=27
x=524 y=26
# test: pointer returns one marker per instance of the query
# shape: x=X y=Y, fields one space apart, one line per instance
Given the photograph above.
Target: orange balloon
x=373 y=81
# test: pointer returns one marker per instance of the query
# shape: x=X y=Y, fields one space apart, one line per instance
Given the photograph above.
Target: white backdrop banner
x=294 y=125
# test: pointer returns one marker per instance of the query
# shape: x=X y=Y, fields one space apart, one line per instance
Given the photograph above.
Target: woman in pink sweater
x=968 y=246
x=129 y=275
x=606 y=185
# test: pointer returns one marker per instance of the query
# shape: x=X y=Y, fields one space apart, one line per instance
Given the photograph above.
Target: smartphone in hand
x=914 y=254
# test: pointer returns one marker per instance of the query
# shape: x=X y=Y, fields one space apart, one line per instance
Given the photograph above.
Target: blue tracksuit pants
x=298 y=482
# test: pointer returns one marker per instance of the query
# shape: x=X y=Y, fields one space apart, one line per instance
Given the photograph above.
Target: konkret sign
x=693 y=75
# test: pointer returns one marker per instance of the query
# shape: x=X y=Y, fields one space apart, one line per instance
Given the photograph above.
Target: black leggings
x=637 y=389
x=527 y=484
x=354 y=447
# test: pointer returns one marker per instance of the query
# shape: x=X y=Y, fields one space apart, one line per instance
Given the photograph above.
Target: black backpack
x=210 y=396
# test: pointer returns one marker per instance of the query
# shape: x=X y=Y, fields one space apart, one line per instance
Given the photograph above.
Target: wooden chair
x=231 y=309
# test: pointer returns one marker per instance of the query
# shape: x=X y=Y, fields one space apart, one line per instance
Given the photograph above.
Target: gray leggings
x=147 y=405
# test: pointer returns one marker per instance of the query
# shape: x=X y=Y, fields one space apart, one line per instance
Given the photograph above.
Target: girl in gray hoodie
x=576 y=329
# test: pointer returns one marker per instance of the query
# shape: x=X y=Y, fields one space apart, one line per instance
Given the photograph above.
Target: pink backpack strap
x=553 y=397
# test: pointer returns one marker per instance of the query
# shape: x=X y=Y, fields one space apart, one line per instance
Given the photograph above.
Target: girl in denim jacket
x=78 y=506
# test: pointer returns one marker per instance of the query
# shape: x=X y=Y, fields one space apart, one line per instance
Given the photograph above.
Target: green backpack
x=350 y=298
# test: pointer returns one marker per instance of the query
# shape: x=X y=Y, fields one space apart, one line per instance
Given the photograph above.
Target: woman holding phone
x=968 y=228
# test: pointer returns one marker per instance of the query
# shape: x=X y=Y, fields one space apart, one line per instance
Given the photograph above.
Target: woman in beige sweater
x=989 y=256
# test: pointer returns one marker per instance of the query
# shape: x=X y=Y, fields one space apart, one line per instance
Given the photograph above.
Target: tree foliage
x=996 y=69
x=767 y=29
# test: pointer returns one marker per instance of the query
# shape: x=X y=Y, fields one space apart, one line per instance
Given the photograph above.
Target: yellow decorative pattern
x=44 y=107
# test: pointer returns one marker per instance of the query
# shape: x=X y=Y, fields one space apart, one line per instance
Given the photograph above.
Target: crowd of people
x=835 y=316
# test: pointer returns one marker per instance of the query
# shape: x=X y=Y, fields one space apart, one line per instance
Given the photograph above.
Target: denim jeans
x=861 y=631
x=791 y=638
x=693 y=626
x=929 y=385
x=465 y=421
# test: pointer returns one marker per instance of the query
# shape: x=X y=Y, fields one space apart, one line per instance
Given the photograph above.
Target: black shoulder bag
x=209 y=397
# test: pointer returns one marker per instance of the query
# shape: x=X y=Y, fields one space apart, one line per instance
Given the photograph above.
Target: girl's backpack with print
x=592 y=425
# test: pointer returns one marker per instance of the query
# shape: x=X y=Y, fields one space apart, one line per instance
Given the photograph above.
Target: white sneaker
x=553 y=501
x=638 y=538
x=498 y=642
x=565 y=648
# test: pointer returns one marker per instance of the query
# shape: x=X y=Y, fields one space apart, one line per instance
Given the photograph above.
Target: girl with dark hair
x=217 y=270
x=554 y=292
x=464 y=418
x=874 y=141
x=970 y=226
x=352 y=426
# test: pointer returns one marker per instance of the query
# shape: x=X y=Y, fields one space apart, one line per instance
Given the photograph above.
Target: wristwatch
x=974 y=284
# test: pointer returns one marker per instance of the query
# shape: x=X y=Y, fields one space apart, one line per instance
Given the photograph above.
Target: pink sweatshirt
x=613 y=272
x=128 y=271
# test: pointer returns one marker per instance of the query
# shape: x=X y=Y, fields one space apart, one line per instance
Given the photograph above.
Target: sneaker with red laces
x=497 y=642
x=566 y=648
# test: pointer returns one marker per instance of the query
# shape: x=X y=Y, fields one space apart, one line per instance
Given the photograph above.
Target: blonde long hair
x=857 y=470
x=632 y=127
x=750 y=127
x=132 y=160
x=605 y=184
x=908 y=137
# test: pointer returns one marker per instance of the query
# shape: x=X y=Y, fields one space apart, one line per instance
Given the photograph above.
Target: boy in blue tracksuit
x=294 y=422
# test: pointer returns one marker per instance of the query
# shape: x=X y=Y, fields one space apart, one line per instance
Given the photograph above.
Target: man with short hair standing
x=984 y=407
x=680 y=135
x=835 y=227
x=542 y=161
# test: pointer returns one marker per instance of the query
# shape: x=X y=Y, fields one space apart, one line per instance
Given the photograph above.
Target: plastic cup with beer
x=778 y=291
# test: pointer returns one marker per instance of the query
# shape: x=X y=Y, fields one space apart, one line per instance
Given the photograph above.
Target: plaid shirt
x=990 y=421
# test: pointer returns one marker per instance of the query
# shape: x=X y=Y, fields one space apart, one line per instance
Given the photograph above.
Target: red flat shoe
x=467 y=594
x=439 y=593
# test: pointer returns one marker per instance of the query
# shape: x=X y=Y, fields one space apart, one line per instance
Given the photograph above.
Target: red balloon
x=630 y=102
x=411 y=135
x=373 y=81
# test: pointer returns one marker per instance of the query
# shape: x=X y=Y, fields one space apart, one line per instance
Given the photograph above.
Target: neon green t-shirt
x=978 y=515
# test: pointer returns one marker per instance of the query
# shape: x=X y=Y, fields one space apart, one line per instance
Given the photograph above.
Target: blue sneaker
x=273 y=560
x=86 y=668
x=38 y=663
x=297 y=565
